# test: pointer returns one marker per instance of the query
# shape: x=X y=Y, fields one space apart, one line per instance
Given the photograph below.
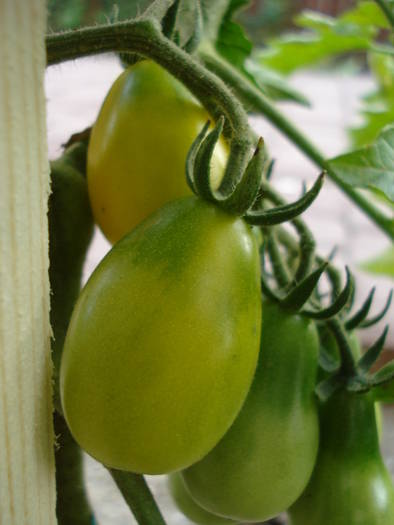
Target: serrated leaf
x=325 y=37
x=383 y=264
x=371 y=166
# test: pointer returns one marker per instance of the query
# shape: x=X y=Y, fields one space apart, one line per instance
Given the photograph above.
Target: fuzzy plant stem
x=138 y=497
x=144 y=37
x=255 y=100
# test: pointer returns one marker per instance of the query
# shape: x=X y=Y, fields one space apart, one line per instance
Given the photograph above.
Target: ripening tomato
x=264 y=461
x=138 y=147
x=163 y=342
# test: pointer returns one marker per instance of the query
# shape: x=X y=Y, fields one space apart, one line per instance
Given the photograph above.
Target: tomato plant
x=263 y=463
x=138 y=147
x=350 y=483
x=158 y=362
x=163 y=342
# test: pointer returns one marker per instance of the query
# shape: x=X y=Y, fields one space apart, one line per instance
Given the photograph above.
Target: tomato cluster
x=173 y=360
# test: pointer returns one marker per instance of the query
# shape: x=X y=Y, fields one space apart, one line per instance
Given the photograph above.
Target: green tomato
x=138 y=148
x=188 y=506
x=263 y=463
x=163 y=342
x=350 y=484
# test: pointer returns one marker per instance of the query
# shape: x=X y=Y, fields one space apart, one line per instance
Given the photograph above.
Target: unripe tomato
x=263 y=463
x=163 y=342
x=189 y=507
x=350 y=484
x=138 y=147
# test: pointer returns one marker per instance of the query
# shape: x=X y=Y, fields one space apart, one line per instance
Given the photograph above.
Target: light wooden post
x=27 y=481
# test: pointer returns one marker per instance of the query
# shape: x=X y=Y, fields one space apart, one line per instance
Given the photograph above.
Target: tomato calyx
x=248 y=190
x=356 y=376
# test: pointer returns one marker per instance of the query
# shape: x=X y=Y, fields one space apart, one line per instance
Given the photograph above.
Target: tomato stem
x=138 y=497
x=253 y=98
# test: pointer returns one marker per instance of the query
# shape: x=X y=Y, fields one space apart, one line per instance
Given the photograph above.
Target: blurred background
x=262 y=19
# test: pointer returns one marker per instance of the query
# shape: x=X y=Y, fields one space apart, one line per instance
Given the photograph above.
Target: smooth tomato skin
x=138 y=148
x=350 y=484
x=263 y=463
x=163 y=342
x=189 y=507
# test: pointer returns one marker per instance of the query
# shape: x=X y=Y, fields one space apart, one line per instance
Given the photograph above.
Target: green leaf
x=383 y=264
x=367 y=14
x=378 y=106
x=371 y=166
x=324 y=37
x=295 y=51
x=232 y=42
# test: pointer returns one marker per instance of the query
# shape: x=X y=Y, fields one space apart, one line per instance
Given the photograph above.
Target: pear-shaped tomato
x=350 y=484
x=188 y=506
x=263 y=463
x=138 y=147
x=163 y=342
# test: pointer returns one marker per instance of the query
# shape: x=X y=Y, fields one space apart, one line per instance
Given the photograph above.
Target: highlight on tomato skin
x=138 y=147
x=164 y=339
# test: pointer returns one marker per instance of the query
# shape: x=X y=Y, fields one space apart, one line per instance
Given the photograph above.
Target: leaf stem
x=138 y=497
x=254 y=99
x=386 y=10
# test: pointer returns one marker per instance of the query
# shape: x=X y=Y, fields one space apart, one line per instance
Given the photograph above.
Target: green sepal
x=270 y=170
x=268 y=292
x=361 y=314
x=246 y=191
x=191 y=156
x=337 y=305
x=202 y=162
x=192 y=44
x=372 y=354
x=168 y=22
x=378 y=317
x=299 y=295
x=286 y=212
x=347 y=364
x=326 y=361
x=326 y=388
x=384 y=391
x=358 y=384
